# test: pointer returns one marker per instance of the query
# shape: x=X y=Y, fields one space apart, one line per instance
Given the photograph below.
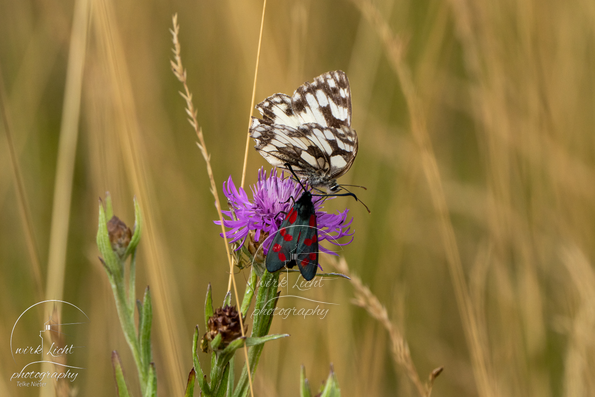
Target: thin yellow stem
x=264 y=6
x=180 y=73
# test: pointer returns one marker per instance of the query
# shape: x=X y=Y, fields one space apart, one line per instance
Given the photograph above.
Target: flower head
x=272 y=198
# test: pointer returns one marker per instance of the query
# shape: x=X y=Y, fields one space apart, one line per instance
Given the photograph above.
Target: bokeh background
x=476 y=122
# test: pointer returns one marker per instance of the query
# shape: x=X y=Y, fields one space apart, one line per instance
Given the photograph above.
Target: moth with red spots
x=296 y=242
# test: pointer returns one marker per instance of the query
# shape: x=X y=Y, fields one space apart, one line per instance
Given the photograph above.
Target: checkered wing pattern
x=311 y=130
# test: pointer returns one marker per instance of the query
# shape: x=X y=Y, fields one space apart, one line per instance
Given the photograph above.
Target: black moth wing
x=296 y=242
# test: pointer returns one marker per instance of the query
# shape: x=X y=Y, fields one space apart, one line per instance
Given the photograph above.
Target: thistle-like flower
x=272 y=198
x=225 y=322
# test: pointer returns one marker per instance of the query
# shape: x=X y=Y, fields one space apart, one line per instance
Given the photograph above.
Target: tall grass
x=476 y=127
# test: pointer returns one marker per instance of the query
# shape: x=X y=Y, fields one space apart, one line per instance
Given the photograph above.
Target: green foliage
x=304 y=384
x=221 y=376
x=119 y=374
x=190 y=383
x=330 y=388
x=139 y=340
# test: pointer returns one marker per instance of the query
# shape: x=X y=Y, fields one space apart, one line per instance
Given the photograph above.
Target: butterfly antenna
x=361 y=187
x=351 y=194
x=288 y=166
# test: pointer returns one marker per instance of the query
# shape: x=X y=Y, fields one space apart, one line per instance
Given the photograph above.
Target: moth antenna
x=288 y=166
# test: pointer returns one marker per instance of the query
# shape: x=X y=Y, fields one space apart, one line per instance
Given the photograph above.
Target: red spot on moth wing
x=289 y=214
x=315 y=238
x=308 y=242
x=304 y=262
x=313 y=220
x=282 y=231
x=312 y=255
x=282 y=257
x=288 y=237
x=293 y=216
x=276 y=248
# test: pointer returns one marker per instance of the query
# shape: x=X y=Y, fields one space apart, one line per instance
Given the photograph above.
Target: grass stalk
x=245 y=163
x=22 y=201
x=365 y=299
x=180 y=73
x=67 y=152
x=394 y=47
x=167 y=305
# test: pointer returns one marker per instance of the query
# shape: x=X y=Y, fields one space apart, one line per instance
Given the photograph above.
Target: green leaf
x=269 y=308
x=132 y=280
x=230 y=379
x=215 y=370
x=227 y=299
x=139 y=308
x=110 y=259
x=138 y=222
x=216 y=342
x=330 y=275
x=145 y=329
x=119 y=374
x=151 y=390
x=231 y=348
x=222 y=387
x=255 y=341
x=223 y=358
x=200 y=376
x=304 y=384
x=331 y=388
x=190 y=384
x=208 y=307
x=249 y=293
x=266 y=300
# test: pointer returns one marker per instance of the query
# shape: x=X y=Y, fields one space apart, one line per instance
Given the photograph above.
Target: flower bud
x=119 y=236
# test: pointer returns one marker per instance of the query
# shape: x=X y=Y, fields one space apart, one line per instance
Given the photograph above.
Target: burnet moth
x=296 y=242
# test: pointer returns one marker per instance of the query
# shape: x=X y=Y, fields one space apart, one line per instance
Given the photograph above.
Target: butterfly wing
x=280 y=144
x=326 y=101
x=311 y=130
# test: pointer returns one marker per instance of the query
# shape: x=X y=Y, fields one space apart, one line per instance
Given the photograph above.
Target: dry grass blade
x=67 y=152
x=180 y=73
x=127 y=157
x=394 y=48
x=365 y=299
x=577 y=374
x=69 y=131
x=264 y=7
x=21 y=196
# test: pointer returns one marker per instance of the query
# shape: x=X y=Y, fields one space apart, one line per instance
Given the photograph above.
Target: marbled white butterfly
x=311 y=131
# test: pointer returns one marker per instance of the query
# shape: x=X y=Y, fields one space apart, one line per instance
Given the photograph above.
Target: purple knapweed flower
x=271 y=200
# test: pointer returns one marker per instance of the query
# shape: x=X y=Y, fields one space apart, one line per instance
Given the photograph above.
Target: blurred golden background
x=476 y=124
